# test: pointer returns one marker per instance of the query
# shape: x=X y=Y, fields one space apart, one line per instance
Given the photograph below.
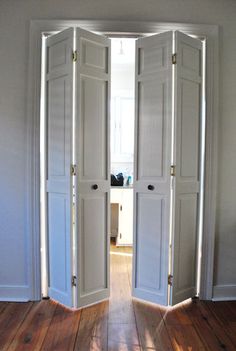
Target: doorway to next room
x=81 y=228
x=122 y=153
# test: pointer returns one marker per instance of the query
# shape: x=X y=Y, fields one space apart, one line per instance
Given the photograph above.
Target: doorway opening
x=122 y=116
x=122 y=140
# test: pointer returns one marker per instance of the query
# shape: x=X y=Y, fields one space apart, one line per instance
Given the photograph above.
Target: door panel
x=93 y=124
x=185 y=243
x=152 y=95
x=59 y=155
x=189 y=148
x=94 y=263
x=58 y=245
x=186 y=157
x=150 y=245
x=152 y=167
x=93 y=158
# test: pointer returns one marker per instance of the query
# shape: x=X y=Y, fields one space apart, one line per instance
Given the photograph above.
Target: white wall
x=14 y=37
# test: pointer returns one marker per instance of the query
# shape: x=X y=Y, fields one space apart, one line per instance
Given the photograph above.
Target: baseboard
x=224 y=292
x=14 y=293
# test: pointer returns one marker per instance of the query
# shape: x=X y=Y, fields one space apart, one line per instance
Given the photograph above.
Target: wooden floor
x=120 y=324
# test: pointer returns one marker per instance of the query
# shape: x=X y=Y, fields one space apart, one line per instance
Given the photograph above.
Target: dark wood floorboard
x=33 y=330
x=120 y=324
x=92 y=333
x=208 y=328
x=180 y=329
x=122 y=329
x=61 y=334
x=3 y=305
x=225 y=313
x=11 y=318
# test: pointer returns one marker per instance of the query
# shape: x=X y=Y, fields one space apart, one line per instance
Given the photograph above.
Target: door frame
x=208 y=32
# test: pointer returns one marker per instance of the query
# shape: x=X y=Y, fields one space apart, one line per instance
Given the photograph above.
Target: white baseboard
x=224 y=292
x=15 y=293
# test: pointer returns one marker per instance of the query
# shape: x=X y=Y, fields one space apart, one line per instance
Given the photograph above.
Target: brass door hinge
x=170 y=279
x=74 y=56
x=73 y=280
x=173 y=171
x=174 y=59
x=73 y=170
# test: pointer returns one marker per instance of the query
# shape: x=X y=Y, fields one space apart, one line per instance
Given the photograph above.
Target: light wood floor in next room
x=120 y=324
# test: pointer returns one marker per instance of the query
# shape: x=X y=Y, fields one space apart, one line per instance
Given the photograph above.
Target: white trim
x=210 y=32
x=224 y=293
x=15 y=293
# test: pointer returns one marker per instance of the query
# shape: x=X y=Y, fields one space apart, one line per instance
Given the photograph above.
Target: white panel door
x=59 y=157
x=188 y=79
x=92 y=152
x=152 y=167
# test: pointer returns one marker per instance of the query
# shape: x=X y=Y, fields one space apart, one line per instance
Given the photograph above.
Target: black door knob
x=150 y=187
x=94 y=186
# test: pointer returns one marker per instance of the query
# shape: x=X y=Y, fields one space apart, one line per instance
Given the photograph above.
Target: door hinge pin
x=121 y=207
x=173 y=171
x=74 y=56
x=170 y=279
x=174 y=59
x=73 y=280
x=73 y=170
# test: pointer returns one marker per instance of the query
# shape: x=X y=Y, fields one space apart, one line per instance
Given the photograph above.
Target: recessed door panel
x=59 y=241
x=150 y=124
x=94 y=128
x=150 y=246
x=189 y=129
x=185 y=241
x=94 y=55
x=94 y=242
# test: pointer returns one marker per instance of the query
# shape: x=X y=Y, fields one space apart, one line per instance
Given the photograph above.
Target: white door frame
x=211 y=34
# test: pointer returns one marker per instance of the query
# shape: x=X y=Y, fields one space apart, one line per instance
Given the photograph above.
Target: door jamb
x=211 y=33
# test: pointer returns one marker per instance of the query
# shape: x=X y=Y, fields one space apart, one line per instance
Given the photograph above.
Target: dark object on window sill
x=117 y=180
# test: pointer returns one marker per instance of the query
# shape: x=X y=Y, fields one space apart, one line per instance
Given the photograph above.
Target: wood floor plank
x=181 y=332
x=120 y=304
x=129 y=264
x=122 y=334
x=122 y=329
x=11 y=319
x=62 y=331
x=185 y=338
x=113 y=346
x=92 y=333
x=210 y=331
x=226 y=316
x=151 y=327
x=33 y=330
x=3 y=305
x=175 y=315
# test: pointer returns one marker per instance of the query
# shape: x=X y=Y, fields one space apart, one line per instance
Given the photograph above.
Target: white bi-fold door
x=59 y=119
x=166 y=182
x=186 y=158
x=78 y=175
x=93 y=158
